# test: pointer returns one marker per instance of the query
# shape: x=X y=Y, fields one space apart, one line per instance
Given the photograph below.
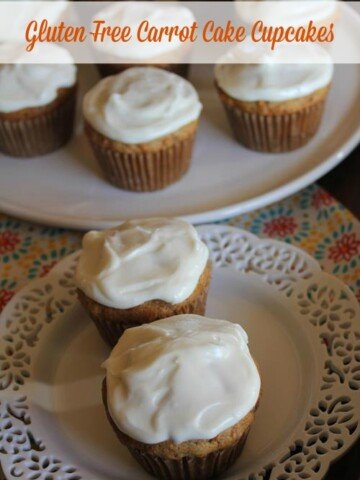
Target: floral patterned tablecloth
x=312 y=220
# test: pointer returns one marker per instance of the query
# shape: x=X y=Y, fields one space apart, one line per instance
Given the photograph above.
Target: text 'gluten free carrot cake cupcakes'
x=142 y=271
x=141 y=125
x=181 y=395
x=37 y=101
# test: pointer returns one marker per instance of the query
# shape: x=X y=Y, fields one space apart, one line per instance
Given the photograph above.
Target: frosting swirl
x=141 y=260
x=25 y=85
x=272 y=80
x=182 y=378
x=141 y=104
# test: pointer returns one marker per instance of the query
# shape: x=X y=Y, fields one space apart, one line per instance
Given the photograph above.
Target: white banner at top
x=311 y=31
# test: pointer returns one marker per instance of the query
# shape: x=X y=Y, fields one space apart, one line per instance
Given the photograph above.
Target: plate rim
x=239 y=208
x=275 y=195
x=292 y=267
x=284 y=190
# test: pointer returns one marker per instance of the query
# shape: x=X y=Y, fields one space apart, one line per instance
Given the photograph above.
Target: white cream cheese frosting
x=141 y=260
x=141 y=104
x=25 y=85
x=271 y=80
x=132 y=14
x=182 y=378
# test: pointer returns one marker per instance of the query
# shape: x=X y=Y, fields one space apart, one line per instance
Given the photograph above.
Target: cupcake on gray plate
x=181 y=395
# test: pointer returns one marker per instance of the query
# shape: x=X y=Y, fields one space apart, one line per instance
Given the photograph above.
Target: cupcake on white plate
x=273 y=104
x=37 y=100
x=141 y=125
x=192 y=390
x=141 y=271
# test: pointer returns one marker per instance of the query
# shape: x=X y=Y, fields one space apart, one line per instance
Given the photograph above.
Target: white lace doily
x=326 y=305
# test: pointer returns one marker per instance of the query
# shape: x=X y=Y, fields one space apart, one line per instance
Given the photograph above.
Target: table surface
x=312 y=218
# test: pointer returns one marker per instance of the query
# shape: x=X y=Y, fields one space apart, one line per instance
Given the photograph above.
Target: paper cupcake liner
x=190 y=468
x=274 y=133
x=111 y=330
x=111 y=323
x=186 y=468
x=106 y=69
x=39 y=134
x=145 y=171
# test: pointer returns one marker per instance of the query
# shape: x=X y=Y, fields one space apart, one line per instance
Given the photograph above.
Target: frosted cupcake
x=37 y=102
x=142 y=271
x=192 y=389
x=141 y=125
x=166 y=54
x=274 y=107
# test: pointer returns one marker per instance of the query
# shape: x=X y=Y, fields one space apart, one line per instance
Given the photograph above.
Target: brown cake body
x=275 y=127
x=39 y=130
x=111 y=322
x=190 y=460
x=144 y=167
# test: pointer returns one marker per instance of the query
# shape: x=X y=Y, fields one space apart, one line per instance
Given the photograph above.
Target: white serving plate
x=67 y=188
x=302 y=326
